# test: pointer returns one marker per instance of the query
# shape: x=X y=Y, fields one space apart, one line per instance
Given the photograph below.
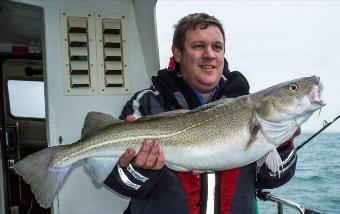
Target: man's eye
x=198 y=46
x=218 y=47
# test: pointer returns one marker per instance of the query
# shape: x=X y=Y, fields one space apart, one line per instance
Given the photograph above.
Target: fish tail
x=44 y=180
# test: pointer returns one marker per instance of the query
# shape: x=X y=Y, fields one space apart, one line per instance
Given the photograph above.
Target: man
x=199 y=74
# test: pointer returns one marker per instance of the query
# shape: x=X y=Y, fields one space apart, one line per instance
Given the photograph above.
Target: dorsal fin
x=212 y=105
x=164 y=114
x=205 y=107
x=177 y=112
x=95 y=121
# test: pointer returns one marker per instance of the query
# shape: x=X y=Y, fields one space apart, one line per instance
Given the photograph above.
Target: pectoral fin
x=253 y=135
x=254 y=129
x=176 y=167
x=100 y=167
x=272 y=160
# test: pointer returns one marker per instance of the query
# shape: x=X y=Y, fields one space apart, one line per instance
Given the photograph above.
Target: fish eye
x=293 y=87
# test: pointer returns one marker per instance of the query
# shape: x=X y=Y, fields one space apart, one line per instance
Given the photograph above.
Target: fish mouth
x=315 y=95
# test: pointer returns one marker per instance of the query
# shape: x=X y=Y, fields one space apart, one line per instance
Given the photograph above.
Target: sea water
x=316 y=184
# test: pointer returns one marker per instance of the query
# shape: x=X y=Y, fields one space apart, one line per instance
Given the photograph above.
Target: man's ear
x=176 y=53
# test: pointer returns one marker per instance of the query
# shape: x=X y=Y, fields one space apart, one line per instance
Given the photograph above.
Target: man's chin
x=210 y=81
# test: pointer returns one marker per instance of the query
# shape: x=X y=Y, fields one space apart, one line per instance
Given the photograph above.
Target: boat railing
x=281 y=202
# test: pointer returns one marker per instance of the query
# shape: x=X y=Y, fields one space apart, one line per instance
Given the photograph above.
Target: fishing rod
x=325 y=125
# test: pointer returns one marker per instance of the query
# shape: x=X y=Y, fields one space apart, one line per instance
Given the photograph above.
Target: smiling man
x=198 y=74
x=201 y=58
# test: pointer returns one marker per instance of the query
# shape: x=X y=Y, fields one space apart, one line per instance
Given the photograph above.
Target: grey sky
x=271 y=42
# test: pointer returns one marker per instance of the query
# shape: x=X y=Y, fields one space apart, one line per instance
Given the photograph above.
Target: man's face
x=202 y=58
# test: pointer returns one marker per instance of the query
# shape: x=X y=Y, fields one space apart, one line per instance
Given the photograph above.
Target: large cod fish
x=222 y=135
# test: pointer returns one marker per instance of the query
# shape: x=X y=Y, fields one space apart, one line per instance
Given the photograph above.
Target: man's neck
x=206 y=96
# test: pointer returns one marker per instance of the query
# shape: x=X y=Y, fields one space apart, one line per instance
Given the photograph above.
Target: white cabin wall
x=65 y=114
x=148 y=38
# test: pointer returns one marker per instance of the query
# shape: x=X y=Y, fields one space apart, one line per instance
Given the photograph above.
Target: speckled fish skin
x=209 y=138
x=221 y=135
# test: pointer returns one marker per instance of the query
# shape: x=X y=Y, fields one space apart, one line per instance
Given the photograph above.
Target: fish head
x=292 y=100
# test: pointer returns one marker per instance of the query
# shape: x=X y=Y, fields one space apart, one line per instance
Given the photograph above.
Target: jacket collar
x=169 y=82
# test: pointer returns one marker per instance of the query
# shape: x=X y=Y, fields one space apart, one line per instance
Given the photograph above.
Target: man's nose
x=209 y=53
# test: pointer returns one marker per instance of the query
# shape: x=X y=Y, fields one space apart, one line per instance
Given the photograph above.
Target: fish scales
x=183 y=131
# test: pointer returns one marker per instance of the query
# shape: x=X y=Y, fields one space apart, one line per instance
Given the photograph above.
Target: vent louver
x=78 y=52
x=112 y=53
x=113 y=70
x=93 y=53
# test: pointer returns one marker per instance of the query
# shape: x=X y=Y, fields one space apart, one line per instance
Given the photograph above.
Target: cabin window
x=26 y=98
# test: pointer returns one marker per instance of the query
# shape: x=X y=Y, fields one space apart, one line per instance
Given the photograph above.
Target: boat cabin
x=60 y=60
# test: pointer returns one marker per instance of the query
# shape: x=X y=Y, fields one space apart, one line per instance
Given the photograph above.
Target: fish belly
x=218 y=154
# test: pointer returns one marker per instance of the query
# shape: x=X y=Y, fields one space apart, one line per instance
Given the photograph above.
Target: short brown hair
x=190 y=22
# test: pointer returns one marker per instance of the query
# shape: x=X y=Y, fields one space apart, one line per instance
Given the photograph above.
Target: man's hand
x=297 y=133
x=291 y=140
x=149 y=156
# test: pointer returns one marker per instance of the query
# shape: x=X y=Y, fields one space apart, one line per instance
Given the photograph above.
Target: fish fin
x=95 y=121
x=211 y=105
x=100 y=167
x=183 y=111
x=253 y=133
x=272 y=160
x=176 y=167
x=164 y=114
x=44 y=180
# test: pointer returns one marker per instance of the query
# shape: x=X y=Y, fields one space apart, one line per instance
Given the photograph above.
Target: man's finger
x=298 y=132
x=160 y=161
x=129 y=118
x=127 y=157
x=143 y=153
x=151 y=159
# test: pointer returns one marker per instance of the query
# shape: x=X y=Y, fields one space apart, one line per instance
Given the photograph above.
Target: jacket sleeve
x=143 y=103
x=267 y=180
x=133 y=181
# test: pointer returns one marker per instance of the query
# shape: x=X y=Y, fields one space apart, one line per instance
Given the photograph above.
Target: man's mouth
x=208 y=66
